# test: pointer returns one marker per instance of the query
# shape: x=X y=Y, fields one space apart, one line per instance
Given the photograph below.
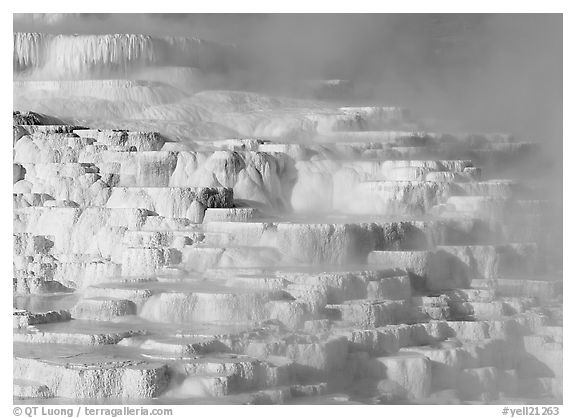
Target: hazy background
x=479 y=72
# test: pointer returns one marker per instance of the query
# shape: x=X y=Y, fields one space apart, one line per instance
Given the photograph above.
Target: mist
x=472 y=72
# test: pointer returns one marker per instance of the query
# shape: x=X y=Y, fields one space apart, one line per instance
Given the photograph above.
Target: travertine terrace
x=176 y=246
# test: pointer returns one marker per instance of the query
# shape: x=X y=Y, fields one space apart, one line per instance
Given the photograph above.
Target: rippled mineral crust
x=173 y=245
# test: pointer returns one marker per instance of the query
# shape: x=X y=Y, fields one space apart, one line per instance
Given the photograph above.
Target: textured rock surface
x=223 y=246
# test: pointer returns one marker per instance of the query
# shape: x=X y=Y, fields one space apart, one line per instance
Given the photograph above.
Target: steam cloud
x=475 y=71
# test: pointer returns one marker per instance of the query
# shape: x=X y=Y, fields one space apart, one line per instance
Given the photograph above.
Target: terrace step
x=25 y=389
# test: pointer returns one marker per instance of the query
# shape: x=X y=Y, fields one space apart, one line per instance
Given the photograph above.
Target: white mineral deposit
x=181 y=236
